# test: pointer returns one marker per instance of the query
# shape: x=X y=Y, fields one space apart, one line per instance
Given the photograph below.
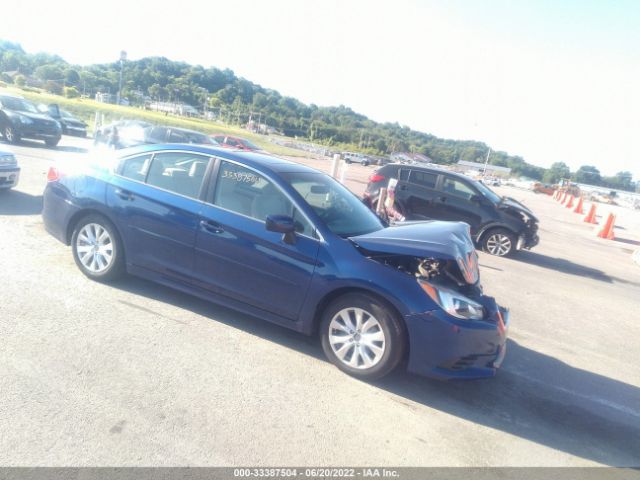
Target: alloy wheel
x=95 y=247
x=356 y=337
x=499 y=244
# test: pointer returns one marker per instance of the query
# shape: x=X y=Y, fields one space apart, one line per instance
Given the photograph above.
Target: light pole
x=123 y=57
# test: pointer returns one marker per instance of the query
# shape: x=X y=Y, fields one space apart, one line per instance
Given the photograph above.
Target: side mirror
x=476 y=199
x=282 y=224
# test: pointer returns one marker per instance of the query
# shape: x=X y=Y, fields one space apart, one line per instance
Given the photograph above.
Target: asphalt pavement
x=135 y=374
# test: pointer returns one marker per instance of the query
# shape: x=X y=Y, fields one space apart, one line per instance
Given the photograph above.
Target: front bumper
x=446 y=348
x=75 y=130
x=9 y=177
x=39 y=131
x=527 y=242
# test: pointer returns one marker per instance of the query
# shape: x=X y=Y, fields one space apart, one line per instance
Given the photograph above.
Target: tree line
x=237 y=100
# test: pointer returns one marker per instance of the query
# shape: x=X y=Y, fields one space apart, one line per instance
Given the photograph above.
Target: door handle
x=124 y=194
x=403 y=187
x=211 y=227
x=442 y=199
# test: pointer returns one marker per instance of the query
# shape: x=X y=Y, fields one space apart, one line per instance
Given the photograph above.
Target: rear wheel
x=10 y=134
x=362 y=336
x=499 y=242
x=97 y=249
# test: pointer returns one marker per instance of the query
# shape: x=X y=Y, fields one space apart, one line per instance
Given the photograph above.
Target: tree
x=20 y=80
x=72 y=77
x=556 y=172
x=49 y=72
x=588 y=174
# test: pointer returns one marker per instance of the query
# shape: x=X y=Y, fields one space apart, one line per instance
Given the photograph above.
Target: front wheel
x=362 y=336
x=499 y=242
x=52 y=142
x=97 y=249
x=10 y=134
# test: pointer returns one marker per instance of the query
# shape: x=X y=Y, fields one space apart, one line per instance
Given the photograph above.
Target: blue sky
x=547 y=80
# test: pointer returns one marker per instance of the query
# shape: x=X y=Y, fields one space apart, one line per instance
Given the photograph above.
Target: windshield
x=18 y=104
x=248 y=144
x=341 y=211
x=65 y=114
x=487 y=192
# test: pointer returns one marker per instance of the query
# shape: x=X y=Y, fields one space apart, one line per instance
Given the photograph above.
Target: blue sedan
x=289 y=245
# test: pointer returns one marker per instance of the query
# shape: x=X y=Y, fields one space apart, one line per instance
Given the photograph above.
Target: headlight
x=25 y=120
x=452 y=302
x=8 y=160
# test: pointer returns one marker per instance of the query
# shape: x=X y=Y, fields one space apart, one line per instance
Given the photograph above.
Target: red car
x=235 y=142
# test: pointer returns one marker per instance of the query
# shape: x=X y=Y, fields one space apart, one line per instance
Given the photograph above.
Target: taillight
x=376 y=177
x=53 y=175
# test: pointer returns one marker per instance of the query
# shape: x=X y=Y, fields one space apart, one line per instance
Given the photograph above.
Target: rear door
x=416 y=192
x=237 y=257
x=156 y=200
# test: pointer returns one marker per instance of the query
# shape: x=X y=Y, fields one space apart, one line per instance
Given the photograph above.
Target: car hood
x=428 y=239
x=508 y=202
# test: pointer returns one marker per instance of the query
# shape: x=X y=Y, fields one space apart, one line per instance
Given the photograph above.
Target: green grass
x=86 y=109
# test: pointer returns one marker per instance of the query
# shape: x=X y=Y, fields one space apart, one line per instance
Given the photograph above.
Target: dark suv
x=499 y=225
x=19 y=118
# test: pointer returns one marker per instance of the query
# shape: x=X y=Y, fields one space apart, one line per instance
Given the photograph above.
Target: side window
x=457 y=188
x=248 y=193
x=404 y=175
x=232 y=142
x=135 y=168
x=424 y=179
x=178 y=172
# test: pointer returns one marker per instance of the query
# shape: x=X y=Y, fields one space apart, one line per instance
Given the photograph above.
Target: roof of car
x=259 y=161
x=430 y=169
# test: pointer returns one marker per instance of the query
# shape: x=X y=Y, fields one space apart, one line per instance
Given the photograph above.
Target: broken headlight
x=452 y=302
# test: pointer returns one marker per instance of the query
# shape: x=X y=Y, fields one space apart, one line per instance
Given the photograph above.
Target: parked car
x=350 y=157
x=499 y=225
x=19 y=118
x=9 y=170
x=289 y=245
x=235 y=142
x=128 y=134
x=70 y=124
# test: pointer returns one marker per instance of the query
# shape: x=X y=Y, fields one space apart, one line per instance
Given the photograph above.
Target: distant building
x=105 y=98
x=173 y=108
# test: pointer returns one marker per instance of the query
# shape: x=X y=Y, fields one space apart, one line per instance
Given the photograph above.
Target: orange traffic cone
x=569 y=202
x=579 y=208
x=607 y=230
x=591 y=216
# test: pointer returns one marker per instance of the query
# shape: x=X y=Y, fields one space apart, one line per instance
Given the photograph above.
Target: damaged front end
x=463 y=338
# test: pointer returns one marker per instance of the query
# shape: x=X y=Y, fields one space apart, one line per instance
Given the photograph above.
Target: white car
x=9 y=170
x=350 y=157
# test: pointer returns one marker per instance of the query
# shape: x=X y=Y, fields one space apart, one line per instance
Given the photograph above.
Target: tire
x=10 y=135
x=347 y=161
x=100 y=260
x=499 y=242
x=365 y=164
x=383 y=350
x=52 y=142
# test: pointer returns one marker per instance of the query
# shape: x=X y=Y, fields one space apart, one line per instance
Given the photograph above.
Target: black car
x=19 y=118
x=70 y=124
x=132 y=133
x=499 y=225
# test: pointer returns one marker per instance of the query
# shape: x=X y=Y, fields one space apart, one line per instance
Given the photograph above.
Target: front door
x=237 y=257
